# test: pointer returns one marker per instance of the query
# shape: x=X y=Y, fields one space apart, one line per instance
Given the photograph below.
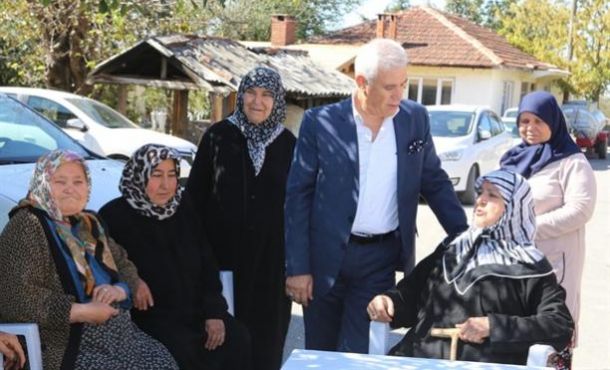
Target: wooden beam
x=216 y=101
x=179 y=113
x=122 y=106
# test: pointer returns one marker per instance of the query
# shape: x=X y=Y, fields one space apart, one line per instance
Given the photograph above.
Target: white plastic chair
x=379 y=344
x=226 y=278
x=32 y=341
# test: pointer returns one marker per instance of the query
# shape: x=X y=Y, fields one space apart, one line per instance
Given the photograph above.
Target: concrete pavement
x=593 y=352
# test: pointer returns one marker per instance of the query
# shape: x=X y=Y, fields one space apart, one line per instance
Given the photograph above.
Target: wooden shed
x=190 y=62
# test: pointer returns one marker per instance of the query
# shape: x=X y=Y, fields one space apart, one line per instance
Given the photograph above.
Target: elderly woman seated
x=491 y=283
x=60 y=270
x=180 y=304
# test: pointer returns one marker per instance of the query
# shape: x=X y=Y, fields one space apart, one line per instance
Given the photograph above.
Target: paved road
x=594 y=346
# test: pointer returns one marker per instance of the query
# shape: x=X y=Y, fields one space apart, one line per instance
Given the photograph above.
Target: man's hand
x=381 y=308
x=300 y=288
x=215 y=328
x=474 y=330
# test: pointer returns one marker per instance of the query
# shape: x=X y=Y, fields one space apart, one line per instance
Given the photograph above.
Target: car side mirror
x=76 y=123
x=484 y=135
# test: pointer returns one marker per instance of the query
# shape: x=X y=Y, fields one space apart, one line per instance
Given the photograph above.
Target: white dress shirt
x=377 y=211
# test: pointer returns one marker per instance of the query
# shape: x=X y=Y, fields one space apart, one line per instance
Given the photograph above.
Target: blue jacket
x=322 y=189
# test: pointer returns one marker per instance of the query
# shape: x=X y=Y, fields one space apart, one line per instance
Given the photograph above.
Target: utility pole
x=566 y=93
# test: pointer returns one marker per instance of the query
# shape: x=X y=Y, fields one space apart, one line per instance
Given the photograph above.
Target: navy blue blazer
x=322 y=189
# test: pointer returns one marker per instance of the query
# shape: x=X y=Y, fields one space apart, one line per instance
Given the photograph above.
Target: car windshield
x=450 y=123
x=102 y=114
x=25 y=135
x=511 y=113
x=512 y=128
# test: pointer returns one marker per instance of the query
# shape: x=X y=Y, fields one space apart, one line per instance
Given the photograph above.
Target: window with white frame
x=429 y=90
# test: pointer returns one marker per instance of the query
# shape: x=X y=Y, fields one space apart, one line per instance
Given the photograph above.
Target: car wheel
x=469 y=196
x=602 y=149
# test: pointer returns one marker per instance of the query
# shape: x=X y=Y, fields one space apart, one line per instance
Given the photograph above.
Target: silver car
x=26 y=135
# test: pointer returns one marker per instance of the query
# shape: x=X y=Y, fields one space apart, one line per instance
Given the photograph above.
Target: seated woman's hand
x=474 y=330
x=14 y=358
x=92 y=313
x=108 y=294
x=381 y=308
x=143 y=298
x=215 y=328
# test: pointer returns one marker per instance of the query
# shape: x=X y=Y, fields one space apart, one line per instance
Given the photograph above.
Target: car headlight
x=453 y=155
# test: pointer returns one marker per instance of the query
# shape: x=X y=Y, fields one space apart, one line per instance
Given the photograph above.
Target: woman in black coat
x=179 y=300
x=237 y=184
x=491 y=283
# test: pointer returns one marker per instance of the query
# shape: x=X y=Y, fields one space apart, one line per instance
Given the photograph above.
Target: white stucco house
x=451 y=60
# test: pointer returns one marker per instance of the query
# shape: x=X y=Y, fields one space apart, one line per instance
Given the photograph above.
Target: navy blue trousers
x=338 y=321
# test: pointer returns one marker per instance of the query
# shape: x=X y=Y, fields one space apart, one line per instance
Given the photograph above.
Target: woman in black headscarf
x=237 y=184
x=178 y=300
x=491 y=283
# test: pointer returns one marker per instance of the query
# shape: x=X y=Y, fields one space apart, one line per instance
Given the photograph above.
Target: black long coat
x=174 y=259
x=521 y=312
x=243 y=216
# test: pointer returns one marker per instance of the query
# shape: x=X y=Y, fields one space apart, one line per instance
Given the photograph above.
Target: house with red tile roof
x=451 y=60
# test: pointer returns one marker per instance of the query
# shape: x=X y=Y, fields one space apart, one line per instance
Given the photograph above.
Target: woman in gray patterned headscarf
x=491 y=284
x=237 y=184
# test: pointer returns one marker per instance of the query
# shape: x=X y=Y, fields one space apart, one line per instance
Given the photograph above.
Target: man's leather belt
x=372 y=238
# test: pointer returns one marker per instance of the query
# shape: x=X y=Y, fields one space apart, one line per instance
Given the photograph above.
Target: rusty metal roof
x=217 y=64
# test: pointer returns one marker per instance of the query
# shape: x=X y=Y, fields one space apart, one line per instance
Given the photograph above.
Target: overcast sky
x=370 y=9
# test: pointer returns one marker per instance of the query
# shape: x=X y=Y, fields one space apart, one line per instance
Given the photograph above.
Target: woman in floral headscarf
x=60 y=270
x=490 y=282
x=237 y=184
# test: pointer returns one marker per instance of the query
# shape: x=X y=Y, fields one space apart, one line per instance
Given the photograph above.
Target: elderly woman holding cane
x=60 y=270
x=491 y=283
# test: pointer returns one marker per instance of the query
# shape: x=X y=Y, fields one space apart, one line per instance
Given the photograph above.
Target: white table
x=301 y=359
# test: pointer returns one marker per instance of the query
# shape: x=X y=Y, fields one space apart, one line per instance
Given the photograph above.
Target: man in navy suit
x=359 y=168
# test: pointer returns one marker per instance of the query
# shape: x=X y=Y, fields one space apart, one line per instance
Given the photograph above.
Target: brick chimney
x=283 y=30
x=387 y=26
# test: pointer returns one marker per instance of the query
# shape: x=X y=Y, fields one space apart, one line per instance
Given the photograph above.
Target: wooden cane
x=452 y=333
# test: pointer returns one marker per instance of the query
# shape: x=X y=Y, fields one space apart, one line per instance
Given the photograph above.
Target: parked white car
x=469 y=140
x=26 y=135
x=510 y=122
x=98 y=127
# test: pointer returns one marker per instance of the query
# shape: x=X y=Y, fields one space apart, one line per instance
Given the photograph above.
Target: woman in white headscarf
x=491 y=282
x=237 y=184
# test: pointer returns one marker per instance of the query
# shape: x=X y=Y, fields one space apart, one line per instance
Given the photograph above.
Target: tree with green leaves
x=251 y=20
x=56 y=43
x=539 y=27
x=469 y=9
x=398 y=5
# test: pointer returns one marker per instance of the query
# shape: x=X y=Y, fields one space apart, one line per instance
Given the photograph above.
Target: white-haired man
x=359 y=168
